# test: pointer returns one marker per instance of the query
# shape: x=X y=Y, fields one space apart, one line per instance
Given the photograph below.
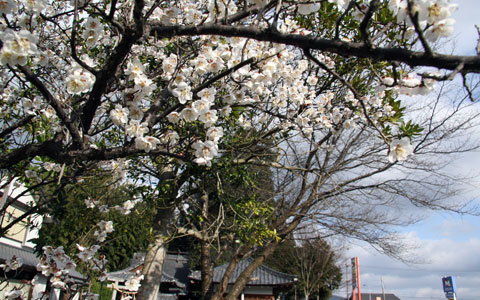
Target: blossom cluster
x=12 y=264
x=57 y=265
x=278 y=90
x=79 y=80
x=133 y=283
x=88 y=254
x=93 y=31
x=95 y=262
x=433 y=15
x=125 y=208
x=17 y=47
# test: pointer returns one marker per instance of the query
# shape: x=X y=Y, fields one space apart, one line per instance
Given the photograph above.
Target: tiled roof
x=261 y=276
x=175 y=270
x=28 y=256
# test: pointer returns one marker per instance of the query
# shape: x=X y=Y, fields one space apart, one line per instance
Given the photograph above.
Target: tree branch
x=57 y=106
x=348 y=49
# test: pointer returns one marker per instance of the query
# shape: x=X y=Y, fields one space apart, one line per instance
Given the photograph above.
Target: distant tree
x=314 y=263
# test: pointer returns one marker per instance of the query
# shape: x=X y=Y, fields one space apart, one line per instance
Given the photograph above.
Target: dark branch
x=348 y=49
x=57 y=106
x=107 y=74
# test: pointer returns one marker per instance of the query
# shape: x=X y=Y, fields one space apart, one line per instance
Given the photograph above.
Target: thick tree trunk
x=243 y=279
x=222 y=287
x=153 y=265
x=207 y=270
x=152 y=270
x=206 y=262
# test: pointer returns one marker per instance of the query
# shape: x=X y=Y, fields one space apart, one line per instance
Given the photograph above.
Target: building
x=175 y=282
x=265 y=283
x=17 y=242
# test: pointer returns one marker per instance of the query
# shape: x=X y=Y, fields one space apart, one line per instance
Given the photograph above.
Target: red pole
x=358 y=278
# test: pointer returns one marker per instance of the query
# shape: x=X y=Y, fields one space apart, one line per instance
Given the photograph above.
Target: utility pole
x=383 y=288
x=346 y=279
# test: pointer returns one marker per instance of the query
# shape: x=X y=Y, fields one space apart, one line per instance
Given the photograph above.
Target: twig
x=309 y=55
x=418 y=30
x=73 y=46
x=368 y=16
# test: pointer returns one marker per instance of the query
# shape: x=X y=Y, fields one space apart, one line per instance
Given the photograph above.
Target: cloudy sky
x=445 y=244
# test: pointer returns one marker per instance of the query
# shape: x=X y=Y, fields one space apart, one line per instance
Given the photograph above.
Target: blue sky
x=444 y=243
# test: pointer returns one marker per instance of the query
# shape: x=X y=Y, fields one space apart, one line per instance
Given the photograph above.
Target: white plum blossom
x=119 y=115
x=170 y=138
x=143 y=86
x=207 y=94
x=193 y=16
x=17 y=47
x=437 y=10
x=86 y=254
x=226 y=111
x=442 y=28
x=205 y=152
x=209 y=117
x=12 y=264
x=350 y=124
x=189 y=114
x=57 y=265
x=202 y=105
x=214 y=134
x=244 y=122
x=133 y=283
x=173 y=117
x=400 y=150
x=279 y=89
x=170 y=64
x=127 y=207
x=79 y=80
x=135 y=112
x=134 y=69
x=136 y=129
x=147 y=143
x=90 y=203
x=312 y=80
x=182 y=92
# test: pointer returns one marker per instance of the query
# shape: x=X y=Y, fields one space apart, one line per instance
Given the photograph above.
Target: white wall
x=13 y=191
